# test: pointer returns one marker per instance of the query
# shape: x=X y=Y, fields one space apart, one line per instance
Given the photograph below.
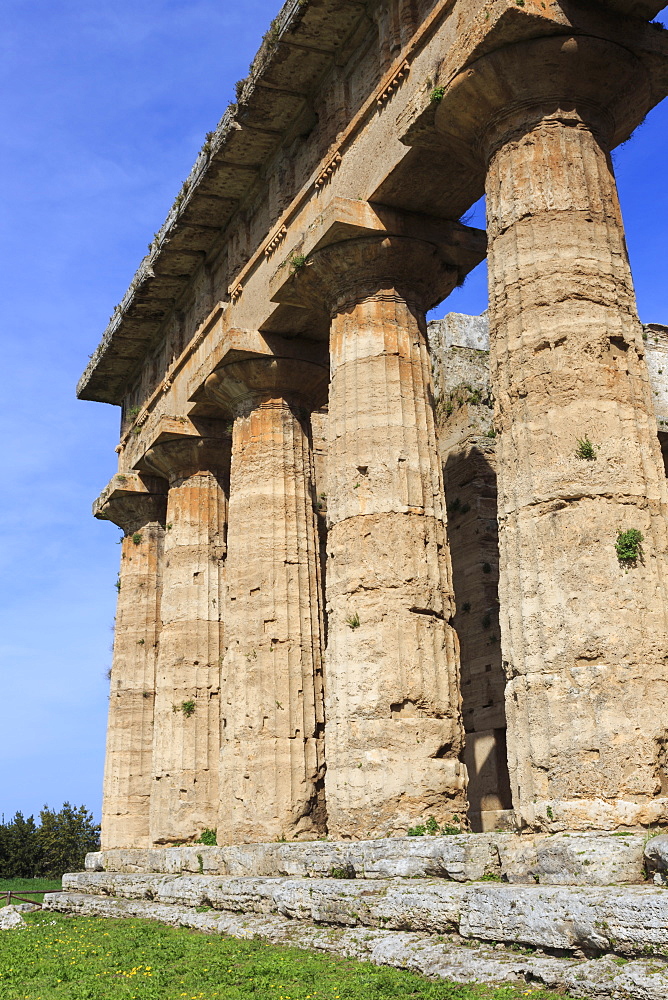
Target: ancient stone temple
x=371 y=571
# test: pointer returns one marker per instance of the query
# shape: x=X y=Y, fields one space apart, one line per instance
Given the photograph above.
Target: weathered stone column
x=138 y=507
x=272 y=760
x=584 y=636
x=186 y=747
x=394 y=733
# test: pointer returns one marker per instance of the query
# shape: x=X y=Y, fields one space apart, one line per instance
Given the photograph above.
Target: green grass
x=29 y=885
x=83 y=958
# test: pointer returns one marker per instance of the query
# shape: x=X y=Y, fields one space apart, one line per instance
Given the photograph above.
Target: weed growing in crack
x=187 y=707
x=585 y=449
x=629 y=546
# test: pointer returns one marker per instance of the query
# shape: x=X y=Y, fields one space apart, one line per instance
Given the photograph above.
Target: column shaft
x=127 y=769
x=128 y=760
x=187 y=710
x=272 y=760
x=394 y=732
x=584 y=637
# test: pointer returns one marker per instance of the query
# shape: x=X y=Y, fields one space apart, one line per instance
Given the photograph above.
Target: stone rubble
x=10 y=918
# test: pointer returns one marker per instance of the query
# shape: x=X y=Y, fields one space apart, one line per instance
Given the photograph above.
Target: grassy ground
x=29 y=884
x=83 y=958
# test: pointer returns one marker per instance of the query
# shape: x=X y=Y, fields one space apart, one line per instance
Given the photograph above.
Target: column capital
x=357 y=250
x=132 y=501
x=572 y=80
x=340 y=275
x=245 y=381
x=178 y=451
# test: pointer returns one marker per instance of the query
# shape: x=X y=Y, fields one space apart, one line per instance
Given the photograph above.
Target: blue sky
x=104 y=108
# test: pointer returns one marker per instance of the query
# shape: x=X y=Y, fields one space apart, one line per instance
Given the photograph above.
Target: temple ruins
x=370 y=568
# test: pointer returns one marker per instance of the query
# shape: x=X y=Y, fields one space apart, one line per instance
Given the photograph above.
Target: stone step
x=626 y=920
x=438 y=957
x=559 y=859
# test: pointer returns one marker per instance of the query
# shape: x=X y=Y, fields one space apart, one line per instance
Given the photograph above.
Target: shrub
x=629 y=545
x=208 y=837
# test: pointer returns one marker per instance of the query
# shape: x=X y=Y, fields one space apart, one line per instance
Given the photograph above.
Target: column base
x=553 y=815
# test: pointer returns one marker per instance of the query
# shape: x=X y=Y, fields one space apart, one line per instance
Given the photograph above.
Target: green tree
x=65 y=838
x=20 y=849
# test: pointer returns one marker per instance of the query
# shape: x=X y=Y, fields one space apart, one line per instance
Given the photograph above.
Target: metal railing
x=10 y=894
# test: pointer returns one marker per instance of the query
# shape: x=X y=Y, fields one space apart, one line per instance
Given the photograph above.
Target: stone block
x=10 y=919
x=630 y=920
x=656 y=854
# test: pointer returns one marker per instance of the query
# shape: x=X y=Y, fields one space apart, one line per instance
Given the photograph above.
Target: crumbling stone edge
x=443 y=956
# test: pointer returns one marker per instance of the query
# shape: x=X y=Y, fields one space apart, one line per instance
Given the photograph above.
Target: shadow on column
x=470 y=486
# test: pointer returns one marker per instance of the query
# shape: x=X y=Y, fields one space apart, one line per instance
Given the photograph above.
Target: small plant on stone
x=347 y=871
x=208 y=838
x=297 y=261
x=451 y=829
x=432 y=826
x=417 y=831
x=629 y=546
x=117 y=585
x=491 y=433
x=437 y=95
x=187 y=707
x=137 y=538
x=550 y=813
x=353 y=621
x=585 y=449
x=134 y=411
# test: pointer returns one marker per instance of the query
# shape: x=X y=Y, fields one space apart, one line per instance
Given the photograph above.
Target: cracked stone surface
x=437 y=957
x=628 y=920
x=568 y=859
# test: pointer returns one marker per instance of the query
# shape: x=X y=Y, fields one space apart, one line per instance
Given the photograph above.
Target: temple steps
x=566 y=911
x=509 y=911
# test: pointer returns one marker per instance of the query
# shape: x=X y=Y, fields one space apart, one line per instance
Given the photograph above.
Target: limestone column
x=138 y=507
x=584 y=636
x=394 y=732
x=272 y=760
x=186 y=746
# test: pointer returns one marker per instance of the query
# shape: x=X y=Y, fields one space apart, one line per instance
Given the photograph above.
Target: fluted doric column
x=394 y=733
x=584 y=635
x=272 y=760
x=186 y=747
x=137 y=506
